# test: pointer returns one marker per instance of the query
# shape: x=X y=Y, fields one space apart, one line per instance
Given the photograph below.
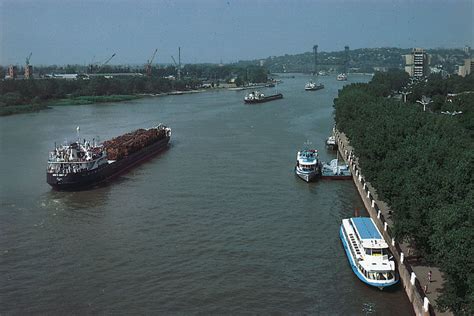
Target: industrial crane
x=27 y=62
x=178 y=65
x=149 y=62
x=105 y=63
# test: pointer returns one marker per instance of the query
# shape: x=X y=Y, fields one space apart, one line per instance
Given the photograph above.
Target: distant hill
x=359 y=60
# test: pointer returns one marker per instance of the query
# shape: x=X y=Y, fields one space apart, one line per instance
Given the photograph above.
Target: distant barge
x=259 y=97
x=80 y=165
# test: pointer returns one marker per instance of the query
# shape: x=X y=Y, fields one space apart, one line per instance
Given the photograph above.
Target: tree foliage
x=421 y=164
x=18 y=92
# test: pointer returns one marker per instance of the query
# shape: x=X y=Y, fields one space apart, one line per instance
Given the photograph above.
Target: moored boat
x=341 y=77
x=331 y=142
x=308 y=165
x=82 y=164
x=335 y=171
x=259 y=97
x=312 y=86
x=367 y=252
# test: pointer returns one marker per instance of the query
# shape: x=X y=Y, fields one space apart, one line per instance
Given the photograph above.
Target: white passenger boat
x=308 y=166
x=367 y=252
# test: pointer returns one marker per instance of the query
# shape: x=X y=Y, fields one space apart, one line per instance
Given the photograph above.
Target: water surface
x=218 y=223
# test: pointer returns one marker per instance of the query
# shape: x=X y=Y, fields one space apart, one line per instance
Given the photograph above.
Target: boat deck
x=366 y=228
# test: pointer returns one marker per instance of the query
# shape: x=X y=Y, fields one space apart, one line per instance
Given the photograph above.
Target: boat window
x=376 y=252
x=381 y=276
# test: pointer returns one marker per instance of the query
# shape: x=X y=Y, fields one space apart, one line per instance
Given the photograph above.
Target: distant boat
x=335 y=171
x=312 y=86
x=367 y=252
x=259 y=97
x=341 y=77
x=331 y=142
x=307 y=164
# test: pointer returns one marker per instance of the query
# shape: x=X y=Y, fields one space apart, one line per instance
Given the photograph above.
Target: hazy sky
x=67 y=31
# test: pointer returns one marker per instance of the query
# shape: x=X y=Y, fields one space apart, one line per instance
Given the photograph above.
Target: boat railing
x=66 y=168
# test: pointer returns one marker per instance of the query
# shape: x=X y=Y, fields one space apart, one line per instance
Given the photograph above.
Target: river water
x=218 y=223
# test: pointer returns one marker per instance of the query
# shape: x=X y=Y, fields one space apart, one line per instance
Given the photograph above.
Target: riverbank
x=420 y=289
x=19 y=109
x=81 y=100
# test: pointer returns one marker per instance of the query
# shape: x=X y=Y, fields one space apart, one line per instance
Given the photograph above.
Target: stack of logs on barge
x=126 y=144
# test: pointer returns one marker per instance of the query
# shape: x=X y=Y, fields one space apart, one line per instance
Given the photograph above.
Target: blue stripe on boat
x=366 y=228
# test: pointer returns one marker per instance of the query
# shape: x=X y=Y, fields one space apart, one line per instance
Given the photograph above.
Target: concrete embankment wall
x=413 y=288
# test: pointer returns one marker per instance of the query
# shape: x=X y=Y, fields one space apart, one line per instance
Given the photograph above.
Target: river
x=218 y=223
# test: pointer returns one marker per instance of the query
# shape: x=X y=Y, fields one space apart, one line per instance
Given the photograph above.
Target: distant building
x=12 y=72
x=417 y=63
x=28 y=72
x=467 y=51
x=467 y=68
x=63 y=76
x=116 y=75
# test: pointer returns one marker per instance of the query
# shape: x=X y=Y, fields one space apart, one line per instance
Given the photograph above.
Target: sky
x=83 y=31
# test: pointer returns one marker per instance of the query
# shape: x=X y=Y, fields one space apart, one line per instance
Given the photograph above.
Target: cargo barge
x=259 y=97
x=82 y=164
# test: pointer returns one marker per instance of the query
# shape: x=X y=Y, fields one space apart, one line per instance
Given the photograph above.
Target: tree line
x=421 y=164
x=39 y=91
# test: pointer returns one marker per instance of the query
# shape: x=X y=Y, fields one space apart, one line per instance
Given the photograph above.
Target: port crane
x=96 y=67
x=105 y=62
x=178 y=65
x=149 y=62
x=27 y=62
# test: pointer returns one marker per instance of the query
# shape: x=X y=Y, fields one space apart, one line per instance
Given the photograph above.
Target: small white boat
x=341 y=77
x=308 y=166
x=335 y=171
x=367 y=252
x=331 y=142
